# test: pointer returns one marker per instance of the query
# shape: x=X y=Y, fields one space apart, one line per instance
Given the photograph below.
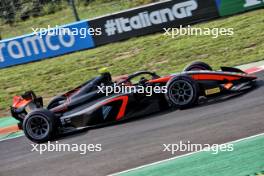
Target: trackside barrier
x=34 y=47
x=152 y=18
x=119 y=26
x=230 y=7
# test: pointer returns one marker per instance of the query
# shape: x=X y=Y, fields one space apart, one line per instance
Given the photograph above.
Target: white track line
x=11 y=138
x=176 y=157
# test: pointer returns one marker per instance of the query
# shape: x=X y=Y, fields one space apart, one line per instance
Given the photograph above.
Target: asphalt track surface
x=139 y=142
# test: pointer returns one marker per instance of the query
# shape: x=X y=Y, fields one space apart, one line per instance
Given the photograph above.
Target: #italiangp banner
x=230 y=7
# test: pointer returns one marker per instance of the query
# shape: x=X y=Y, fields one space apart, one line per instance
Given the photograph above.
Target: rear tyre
x=39 y=126
x=197 y=65
x=182 y=92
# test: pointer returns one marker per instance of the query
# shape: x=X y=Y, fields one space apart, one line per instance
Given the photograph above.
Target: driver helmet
x=105 y=73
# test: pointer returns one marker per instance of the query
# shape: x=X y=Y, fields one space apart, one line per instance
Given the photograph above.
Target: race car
x=86 y=106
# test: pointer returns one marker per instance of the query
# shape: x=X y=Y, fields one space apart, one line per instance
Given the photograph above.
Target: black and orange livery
x=85 y=107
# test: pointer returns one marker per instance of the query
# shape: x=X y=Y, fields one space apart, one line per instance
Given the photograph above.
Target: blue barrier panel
x=36 y=46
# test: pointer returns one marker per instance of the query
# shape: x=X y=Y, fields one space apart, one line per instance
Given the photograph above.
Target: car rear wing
x=231 y=69
x=24 y=104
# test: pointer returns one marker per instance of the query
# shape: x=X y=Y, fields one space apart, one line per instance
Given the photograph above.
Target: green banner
x=230 y=7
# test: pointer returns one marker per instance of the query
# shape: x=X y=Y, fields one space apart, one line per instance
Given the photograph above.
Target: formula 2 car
x=85 y=106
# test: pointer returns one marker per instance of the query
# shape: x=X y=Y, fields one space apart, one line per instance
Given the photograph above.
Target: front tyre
x=182 y=92
x=39 y=126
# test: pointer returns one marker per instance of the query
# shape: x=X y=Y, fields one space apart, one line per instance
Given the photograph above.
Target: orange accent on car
x=218 y=77
x=228 y=85
x=160 y=80
x=20 y=102
x=122 y=109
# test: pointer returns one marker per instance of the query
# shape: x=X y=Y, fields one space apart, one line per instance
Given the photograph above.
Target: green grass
x=153 y=52
x=245 y=159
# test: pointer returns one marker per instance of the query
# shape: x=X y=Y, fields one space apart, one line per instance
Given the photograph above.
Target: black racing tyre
x=197 y=65
x=182 y=92
x=39 y=126
x=56 y=102
x=20 y=125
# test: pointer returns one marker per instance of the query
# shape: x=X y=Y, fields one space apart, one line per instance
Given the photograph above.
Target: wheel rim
x=181 y=92
x=37 y=127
